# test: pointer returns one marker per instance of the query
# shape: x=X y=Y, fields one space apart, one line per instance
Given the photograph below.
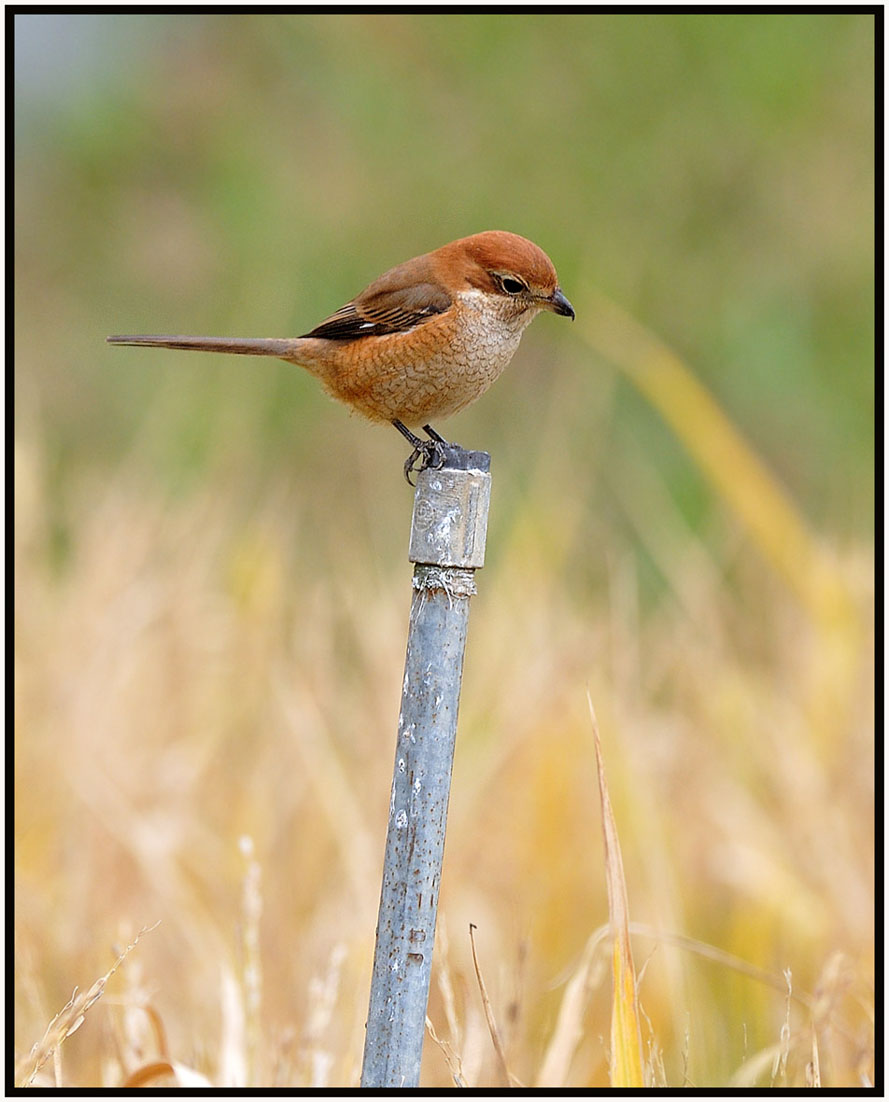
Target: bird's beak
x=559 y=304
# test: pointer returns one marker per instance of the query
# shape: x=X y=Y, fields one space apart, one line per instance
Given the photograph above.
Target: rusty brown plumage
x=425 y=339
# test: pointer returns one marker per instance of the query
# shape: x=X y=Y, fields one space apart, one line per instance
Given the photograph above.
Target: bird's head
x=507 y=266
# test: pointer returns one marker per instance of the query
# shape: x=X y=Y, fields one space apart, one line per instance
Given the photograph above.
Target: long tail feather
x=238 y=346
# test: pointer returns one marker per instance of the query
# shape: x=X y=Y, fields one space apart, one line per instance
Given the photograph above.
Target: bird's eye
x=512 y=286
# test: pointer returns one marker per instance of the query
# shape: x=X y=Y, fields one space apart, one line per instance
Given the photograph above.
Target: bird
x=421 y=342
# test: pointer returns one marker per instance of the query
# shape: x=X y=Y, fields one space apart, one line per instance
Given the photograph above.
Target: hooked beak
x=559 y=304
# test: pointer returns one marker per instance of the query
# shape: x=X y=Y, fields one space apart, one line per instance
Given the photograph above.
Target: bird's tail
x=237 y=346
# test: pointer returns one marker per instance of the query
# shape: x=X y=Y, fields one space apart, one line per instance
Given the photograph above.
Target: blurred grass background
x=211 y=579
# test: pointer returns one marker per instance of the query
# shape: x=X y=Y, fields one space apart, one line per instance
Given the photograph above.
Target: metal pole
x=447 y=545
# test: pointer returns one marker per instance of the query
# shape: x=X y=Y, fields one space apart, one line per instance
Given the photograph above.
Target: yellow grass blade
x=722 y=454
x=626 y=1036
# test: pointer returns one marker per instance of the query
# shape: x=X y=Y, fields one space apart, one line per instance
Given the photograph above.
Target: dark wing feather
x=384 y=310
x=345 y=325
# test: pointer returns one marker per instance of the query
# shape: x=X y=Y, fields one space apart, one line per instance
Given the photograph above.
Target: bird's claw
x=427 y=455
x=431 y=453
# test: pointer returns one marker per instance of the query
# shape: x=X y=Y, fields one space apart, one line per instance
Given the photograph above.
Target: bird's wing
x=382 y=309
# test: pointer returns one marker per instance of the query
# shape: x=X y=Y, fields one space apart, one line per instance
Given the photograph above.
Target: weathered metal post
x=447 y=545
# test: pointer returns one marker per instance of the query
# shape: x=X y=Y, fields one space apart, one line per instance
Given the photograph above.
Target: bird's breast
x=430 y=371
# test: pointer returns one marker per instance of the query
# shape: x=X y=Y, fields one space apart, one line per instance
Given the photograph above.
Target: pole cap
x=450 y=516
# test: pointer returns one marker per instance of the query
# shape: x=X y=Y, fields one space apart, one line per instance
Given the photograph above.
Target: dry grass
x=185 y=681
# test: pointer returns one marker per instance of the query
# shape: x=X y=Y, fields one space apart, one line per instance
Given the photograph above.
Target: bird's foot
x=428 y=454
